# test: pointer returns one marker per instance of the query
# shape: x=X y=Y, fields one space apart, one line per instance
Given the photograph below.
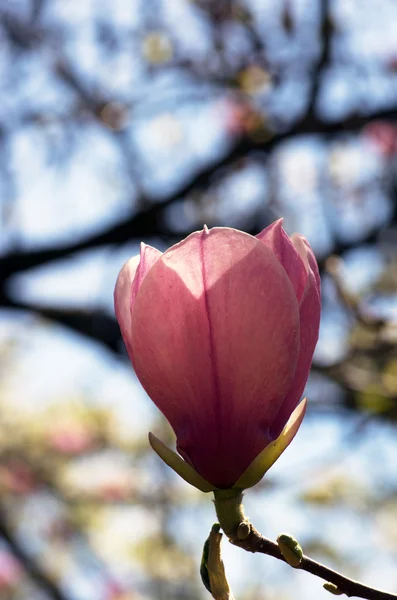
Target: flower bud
x=290 y=549
x=221 y=330
x=332 y=589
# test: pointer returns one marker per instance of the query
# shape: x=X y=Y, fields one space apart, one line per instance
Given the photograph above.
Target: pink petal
x=309 y=310
x=307 y=255
x=215 y=334
x=122 y=299
x=276 y=239
x=149 y=256
x=127 y=287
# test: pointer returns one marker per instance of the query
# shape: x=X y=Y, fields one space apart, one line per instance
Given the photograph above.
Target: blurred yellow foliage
x=164 y=559
x=157 y=48
x=254 y=79
x=334 y=489
x=389 y=377
x=387 y=521
x=372 y=400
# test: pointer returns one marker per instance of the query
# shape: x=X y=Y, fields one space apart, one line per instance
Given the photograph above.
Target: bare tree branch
x=150 y=221
x=326 y=29
x=255 y=542
x=95 y=325
x=241 y=533
x=29 y=564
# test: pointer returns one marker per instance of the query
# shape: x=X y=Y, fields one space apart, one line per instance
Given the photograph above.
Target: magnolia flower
x=221 y=330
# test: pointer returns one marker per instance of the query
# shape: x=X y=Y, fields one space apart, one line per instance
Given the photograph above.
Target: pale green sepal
x=271 y=453
x=173 y=460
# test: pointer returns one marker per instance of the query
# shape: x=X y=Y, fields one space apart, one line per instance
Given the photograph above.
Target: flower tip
x=205 y=229
x=301 y=408
x=279 y=222
x=277 y=226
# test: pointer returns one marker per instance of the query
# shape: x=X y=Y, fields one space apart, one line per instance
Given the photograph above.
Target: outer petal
x=122 y=299
x=127 y=286
x=215 y=336
x=276 y=239
x=149 y=256
x=307 y=256
x=309 y=310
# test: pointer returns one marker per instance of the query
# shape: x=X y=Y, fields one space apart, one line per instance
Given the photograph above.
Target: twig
x=241 y=533
x=255 y=542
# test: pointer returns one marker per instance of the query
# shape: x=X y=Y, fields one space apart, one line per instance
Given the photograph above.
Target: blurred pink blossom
x=17 y=477
x=70 y=437
x=10 y=570
x=384 y=137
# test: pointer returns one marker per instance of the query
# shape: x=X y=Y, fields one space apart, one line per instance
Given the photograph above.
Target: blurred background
x=130 y=120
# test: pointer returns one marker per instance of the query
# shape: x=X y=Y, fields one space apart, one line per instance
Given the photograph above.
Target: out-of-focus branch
x=45 y=475
x=37 y=8
x=95 y=325
x=150 y=221
x=333 y=266
x=29 y=564
x=322 y=62
x=21 y=33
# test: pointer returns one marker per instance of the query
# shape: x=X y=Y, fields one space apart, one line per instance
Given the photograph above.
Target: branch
x=255 y=542
x=29 y=564
x=95 y=325
x=150 y=221
x=326 y=28
x=241 y=533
